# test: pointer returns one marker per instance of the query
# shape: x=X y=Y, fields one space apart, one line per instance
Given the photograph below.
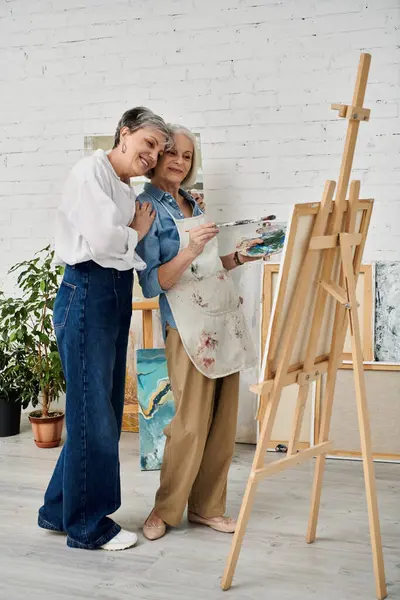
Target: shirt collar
x=158 y=194
x=103 y=156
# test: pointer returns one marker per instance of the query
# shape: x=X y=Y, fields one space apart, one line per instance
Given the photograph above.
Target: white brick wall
x=255 y=77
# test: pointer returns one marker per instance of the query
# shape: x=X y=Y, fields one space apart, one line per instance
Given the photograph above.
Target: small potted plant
x=18 y=385
x=27 y=322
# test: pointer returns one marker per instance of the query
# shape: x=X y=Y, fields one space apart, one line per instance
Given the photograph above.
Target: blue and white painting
x=156 y=405
x=387 y=312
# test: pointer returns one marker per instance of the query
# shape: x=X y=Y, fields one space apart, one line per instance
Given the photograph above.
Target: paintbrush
x=246 y=222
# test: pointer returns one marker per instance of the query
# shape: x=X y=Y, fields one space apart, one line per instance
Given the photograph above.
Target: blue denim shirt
x=161 y=244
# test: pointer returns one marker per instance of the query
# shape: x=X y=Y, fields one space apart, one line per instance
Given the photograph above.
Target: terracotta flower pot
x=47 y=430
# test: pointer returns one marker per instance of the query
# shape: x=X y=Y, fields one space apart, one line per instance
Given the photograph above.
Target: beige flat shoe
x=151 y=531
x=222 y=524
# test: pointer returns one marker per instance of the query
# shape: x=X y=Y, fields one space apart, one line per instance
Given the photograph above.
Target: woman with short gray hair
x=98 y=229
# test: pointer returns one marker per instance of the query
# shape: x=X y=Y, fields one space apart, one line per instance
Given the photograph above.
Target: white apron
x=208 y=312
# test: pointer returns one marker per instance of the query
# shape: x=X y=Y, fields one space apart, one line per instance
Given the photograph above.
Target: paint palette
x=269 y=239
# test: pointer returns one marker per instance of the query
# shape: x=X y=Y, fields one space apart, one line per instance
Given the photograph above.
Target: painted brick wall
x=254 y=77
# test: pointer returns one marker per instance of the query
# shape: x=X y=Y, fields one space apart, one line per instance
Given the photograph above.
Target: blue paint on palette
x=156 y=405
x=271 y=240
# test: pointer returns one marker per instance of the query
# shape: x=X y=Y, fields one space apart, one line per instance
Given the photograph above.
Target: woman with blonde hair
x=207 y=343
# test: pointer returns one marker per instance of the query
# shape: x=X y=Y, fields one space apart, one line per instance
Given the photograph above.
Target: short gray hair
x=139 y=117
x=191 y=177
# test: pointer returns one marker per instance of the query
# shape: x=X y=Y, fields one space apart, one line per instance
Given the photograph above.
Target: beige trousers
x=200 y=438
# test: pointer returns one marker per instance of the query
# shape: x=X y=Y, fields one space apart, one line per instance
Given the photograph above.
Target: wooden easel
x=301 y=347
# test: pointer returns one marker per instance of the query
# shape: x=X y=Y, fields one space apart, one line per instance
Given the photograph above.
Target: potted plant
x=27 y=322
x=18 y=385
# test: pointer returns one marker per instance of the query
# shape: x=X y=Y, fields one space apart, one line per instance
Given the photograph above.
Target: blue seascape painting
x=156 y=405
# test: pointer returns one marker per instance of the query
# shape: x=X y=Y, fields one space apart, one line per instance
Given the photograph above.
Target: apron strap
x=168 y=211
x=175 y=220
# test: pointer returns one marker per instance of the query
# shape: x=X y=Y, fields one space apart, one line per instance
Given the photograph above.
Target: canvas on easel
x=315 y=304
x=365 y=297
x=282 y=424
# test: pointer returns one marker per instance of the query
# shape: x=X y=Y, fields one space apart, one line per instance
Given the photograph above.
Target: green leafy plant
x=18 y=383
x=27 y=333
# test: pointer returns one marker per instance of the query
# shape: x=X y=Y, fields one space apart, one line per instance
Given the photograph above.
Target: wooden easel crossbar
x=315 y=304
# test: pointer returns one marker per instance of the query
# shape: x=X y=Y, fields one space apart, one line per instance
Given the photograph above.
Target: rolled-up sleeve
x=98 y=220
x=149 y=251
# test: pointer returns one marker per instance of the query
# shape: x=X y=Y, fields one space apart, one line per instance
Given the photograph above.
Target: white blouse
x=94 y=215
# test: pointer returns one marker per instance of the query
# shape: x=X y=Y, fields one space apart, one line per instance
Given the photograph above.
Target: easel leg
x=248 y=500
x=298 y=418
x=147 y=324
x=316 y=498
x=339 y=331
x=320 y=461
x=243 y=519
x=363 y=419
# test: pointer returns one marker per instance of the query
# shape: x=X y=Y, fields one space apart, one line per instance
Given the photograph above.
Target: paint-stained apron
x=208 y=312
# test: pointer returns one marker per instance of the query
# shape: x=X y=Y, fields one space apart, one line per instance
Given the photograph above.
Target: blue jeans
x=92 y=314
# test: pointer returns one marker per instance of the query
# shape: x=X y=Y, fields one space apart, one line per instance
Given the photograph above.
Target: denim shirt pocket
x=62 y=304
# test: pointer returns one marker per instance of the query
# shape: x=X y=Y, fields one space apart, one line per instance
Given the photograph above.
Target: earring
x=123 y=148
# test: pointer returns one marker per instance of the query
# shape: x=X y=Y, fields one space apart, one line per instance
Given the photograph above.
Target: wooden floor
x=275 y=564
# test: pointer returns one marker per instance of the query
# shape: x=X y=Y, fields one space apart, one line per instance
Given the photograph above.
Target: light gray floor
x=275 y=564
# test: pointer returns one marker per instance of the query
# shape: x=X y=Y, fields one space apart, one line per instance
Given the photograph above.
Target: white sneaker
x=123 y=540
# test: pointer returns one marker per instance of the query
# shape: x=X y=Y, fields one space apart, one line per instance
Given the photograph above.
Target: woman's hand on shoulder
x=199 y=199
x=143 y=219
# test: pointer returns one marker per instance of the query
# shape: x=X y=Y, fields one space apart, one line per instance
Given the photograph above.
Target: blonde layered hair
x=191 y=177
